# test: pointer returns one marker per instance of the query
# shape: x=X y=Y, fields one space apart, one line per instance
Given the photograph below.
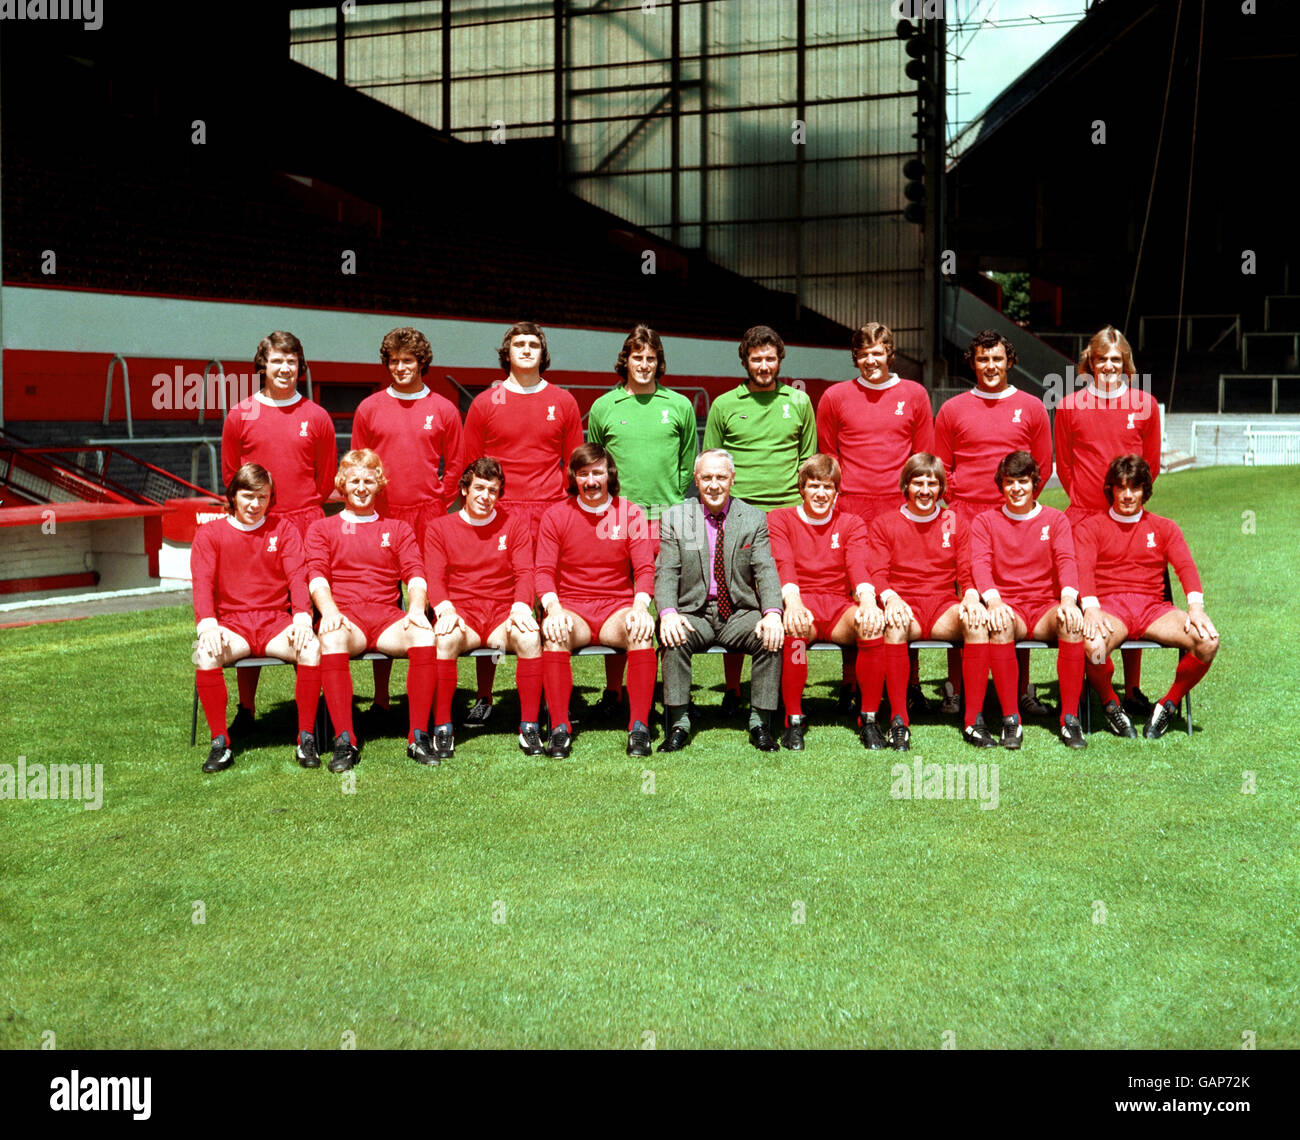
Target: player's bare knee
x=1205 y=649
x=309 y=654
x=895 y=636
x=527 y=644
x=336 y=641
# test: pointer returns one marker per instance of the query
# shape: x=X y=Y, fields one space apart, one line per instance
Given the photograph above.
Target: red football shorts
x=301 y=519
x=867 y=507
x=595 y=611
x=929 y=608
x=481 y=615
x=1136 y=611
x=1031 y=610
x=372 y=618
x=531 y=513
x=827 y=609
x=257 y=627
x=1076 y=515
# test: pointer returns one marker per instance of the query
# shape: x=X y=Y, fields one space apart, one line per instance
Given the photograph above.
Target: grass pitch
x=1134 y=895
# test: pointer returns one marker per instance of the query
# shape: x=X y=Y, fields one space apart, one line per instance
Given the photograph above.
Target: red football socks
x=1190 y=670
x=444 y=690
x=1132 y=659
x=557 y=678
x=896 y=673
x=420 y=674
x=871 y=673
x=1003 y=661
x=383 y=670
x=211 y=686
x=794 y=675
x=246 y=679
x=336 y=680
x=485 y=673
x=732 y=664
x=641 y=667
x=614 y=663
x=1102 y=678
x=306 y=695
x=528 y=676
x=1069 y=671
x=974 y=677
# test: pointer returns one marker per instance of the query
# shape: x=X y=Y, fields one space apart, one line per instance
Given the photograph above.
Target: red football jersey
x=414 y=436
x=584 y=554
x=872 y=430
x=236 y=569
x=293 y=440
x=364 y=559
x=531 y=435
x=1092 y=429
x=1029 y=556
x=917 y=556
x=973 y=432
x=1129 y=557
x=487 y=562
x=826 y=558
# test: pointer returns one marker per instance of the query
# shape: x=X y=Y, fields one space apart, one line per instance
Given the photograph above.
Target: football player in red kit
x=1112 y=416
x=592 y=550
x=417 y=433
x=821 y=558
x=920 y=562
x=1123 y=555
x=292 y=438
x=1023 y=562
x=480 y=567
x=531 y=427
x=972 y=434
x=248 y=574
x=356 y=562
x=871 y=425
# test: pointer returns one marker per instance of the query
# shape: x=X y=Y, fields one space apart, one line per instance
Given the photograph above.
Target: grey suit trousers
x=737 y=634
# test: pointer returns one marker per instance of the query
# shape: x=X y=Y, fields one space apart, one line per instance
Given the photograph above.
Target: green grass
x=623 y=913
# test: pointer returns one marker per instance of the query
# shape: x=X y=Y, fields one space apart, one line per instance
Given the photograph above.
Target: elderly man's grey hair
x=712 y=451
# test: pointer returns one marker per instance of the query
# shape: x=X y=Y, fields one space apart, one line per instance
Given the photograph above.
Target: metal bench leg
x=323 y=729
x=1188 y=699
x=194 y=716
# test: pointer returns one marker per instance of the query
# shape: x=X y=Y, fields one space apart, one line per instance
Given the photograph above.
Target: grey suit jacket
x=683 y=573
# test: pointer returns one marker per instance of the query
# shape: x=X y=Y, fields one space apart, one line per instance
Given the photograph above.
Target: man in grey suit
x=716 y=583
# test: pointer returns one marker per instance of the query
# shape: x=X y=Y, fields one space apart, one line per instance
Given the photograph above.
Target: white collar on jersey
x=347 y=516
x=907 y=514
x=245 y=527
x=600 y=510
x=477 y=522
x=1006 y=393
x=894 y=378
x=812 y=521
x=510 y=384
x=1128 y=519
x=1038 y=509
x=285 y=403
x=424 y=391
x=1113 y=394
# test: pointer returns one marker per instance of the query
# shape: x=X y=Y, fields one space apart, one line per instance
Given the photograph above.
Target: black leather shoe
x=346 y=755
x=871 y=736
x=849 y=698
x=1031 y=706
x=792 y=738
x=219 y=756
x=760 y=736
x=677 y=739
x=609 y=709
x=916 y=702
x=731 y=703
x=560 y=744
x=638 y=740
x=1137 y=704
x=306 y=753
x=530 y=739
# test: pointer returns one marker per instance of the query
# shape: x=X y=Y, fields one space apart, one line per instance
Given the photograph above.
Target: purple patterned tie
x=719 y=570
